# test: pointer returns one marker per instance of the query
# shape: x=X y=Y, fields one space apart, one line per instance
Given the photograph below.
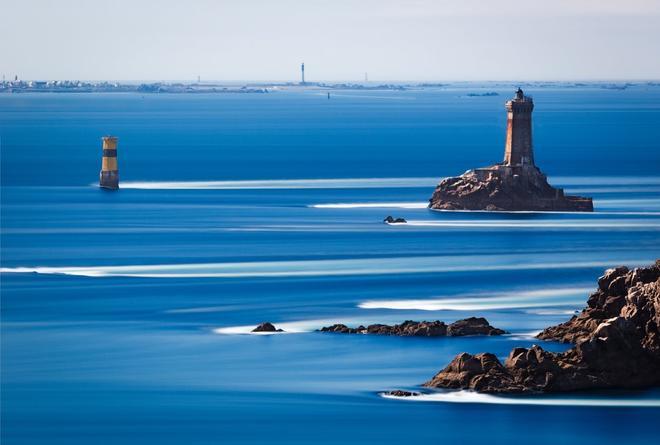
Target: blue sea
x=126 y=315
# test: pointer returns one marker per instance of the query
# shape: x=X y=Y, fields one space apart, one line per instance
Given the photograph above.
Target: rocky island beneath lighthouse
x=516 y=184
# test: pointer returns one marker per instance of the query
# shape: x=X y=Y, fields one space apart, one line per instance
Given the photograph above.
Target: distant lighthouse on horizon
x=302 y=74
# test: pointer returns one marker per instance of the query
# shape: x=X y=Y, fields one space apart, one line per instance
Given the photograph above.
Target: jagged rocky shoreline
x=409 y=328
x=616 y=337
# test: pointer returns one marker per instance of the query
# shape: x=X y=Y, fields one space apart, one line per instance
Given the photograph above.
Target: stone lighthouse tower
x=518 y=148
x=109 y=176
x=516 y=184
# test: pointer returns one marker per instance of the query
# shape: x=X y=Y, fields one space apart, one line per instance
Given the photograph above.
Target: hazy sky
x=337 y=39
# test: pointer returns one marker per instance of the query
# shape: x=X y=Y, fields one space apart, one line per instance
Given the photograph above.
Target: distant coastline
x=488 y=94
x=74 y=86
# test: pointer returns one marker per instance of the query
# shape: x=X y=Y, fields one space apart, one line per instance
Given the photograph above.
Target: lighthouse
x=515 y=184
x=518 y=147
x=109 y=176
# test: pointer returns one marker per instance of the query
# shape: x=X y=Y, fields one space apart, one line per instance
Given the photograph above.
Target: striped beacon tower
x=109 y=176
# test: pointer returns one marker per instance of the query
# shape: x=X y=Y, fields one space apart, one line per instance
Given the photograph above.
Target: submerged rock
x=616 y=337
x=391 y=220
x=409 y=328
x=266 y=327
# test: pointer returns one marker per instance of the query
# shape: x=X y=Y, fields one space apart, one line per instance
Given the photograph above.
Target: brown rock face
x=617 y=345
x=605 y=303
x=481 y=372
x=469 y=326
x=343 y=329
x=472 y=326
x=401 y=393
x=504 y=187
x=266 y=327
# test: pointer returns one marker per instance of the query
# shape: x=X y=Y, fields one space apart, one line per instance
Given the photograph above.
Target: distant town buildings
x=77 y=86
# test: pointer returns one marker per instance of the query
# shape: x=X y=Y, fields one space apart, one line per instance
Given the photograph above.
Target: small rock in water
x=266 y=327
x=401 y=393
x=391 y=220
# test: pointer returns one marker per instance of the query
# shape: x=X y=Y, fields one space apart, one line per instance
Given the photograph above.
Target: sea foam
x=288 y=327
x=337 y=183
x=566 y=296
x=473 y=397
x=372 y=205
x=336 y=267
x=573 y=224
x=339 y=267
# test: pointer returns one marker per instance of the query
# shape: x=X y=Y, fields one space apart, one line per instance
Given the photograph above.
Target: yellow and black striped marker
x=109 y=177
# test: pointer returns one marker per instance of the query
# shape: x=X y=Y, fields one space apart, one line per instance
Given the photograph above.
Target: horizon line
x=311 y=82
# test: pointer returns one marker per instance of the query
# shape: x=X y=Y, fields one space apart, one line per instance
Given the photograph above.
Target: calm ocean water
x=124 y=313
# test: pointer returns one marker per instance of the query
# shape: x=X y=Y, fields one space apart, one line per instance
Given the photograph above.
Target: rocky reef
x=401 y=393
x=266 y=327
x=391 y=220
x=409 y=328
x=616 y=337
x=505 y=188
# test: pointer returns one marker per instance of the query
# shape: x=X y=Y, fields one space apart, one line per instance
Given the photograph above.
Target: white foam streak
x=551 y=312
x=540 y=224
x=341 y=183
x=519 y=299
x=373 y=205
x=424 y=205
x=361 y=183
x=290 y=327
x=473 y=397
x=337 y=267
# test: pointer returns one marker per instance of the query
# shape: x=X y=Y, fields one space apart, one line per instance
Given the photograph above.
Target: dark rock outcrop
x=391 y=220
x=605 y=303
x=481 y=372
x=401 y=393
x=343 y=329
x=472 y=326
x=504 y=187
x=617 y=345
x=266 y=327
x=409 y=328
